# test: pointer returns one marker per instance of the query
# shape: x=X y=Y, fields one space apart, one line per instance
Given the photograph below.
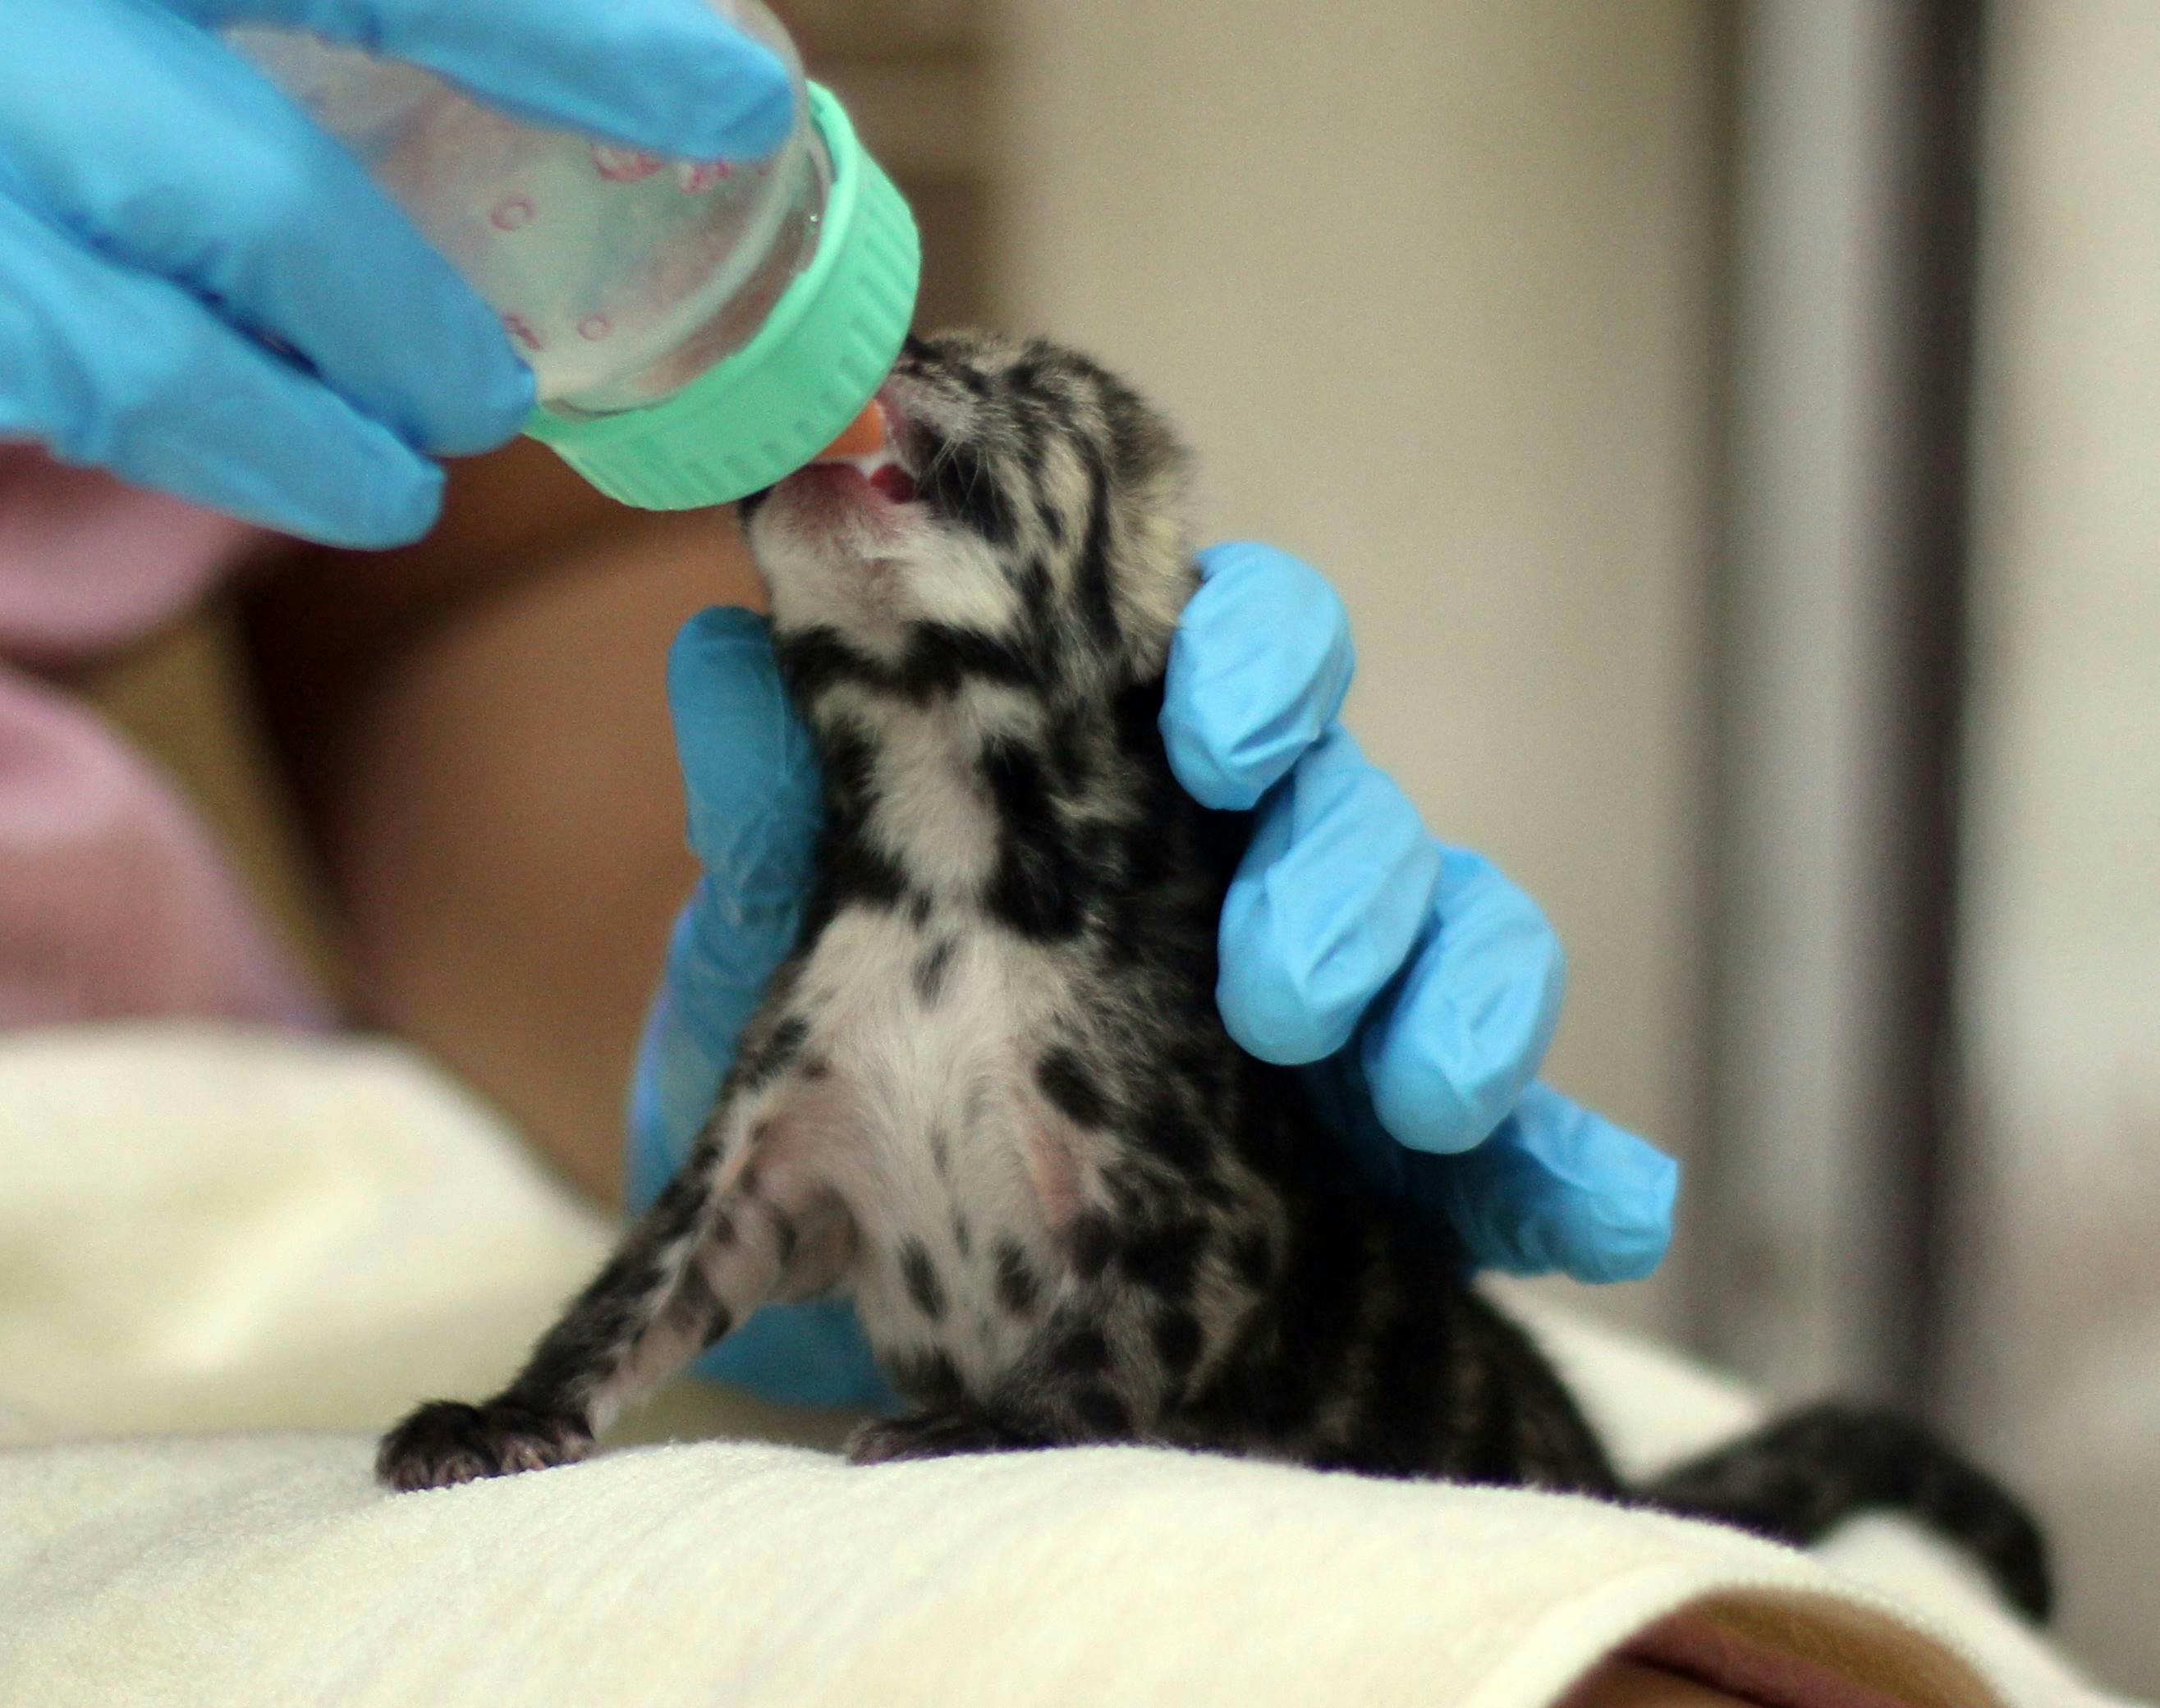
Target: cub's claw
x=446 y=1442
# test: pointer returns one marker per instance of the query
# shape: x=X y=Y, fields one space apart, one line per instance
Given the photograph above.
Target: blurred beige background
x=2057 y=1326
x=1438 y=289
x=1427 y=284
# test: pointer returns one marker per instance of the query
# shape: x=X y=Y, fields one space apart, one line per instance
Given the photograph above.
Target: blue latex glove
x=1420 y=985
x=165 y=214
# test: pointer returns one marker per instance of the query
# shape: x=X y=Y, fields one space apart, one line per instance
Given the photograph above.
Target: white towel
x=204 y=1233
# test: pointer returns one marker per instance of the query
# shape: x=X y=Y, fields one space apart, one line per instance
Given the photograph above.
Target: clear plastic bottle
x=696 y=329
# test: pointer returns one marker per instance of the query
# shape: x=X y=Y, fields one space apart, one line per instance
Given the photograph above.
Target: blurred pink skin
x=115 y=900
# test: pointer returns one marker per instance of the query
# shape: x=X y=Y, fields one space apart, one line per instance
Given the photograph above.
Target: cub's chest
x=922 y=1016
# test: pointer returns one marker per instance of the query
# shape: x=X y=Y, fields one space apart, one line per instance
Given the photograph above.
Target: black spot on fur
x=1032 y=581
x=698 y=1311
x=812 y=661
x=1102 y=1413
x=1038 y=886
x=964 y=1237
x=1136 y=723
x=848 y=760
x=771 y=1058
x=930 y=971
x=1083 y=1352
x=1169 y=1132
x=1071 y=766
x=1092 y=1241
x=785 y=1234
x=1029 y=377
x=1177 y=1342
x=1163 y=1259
x=1129 y=1195
x=1017 y=1287
x=959 y=482
x=854 y=871
x=928 y=1376
x=1095 y=566
x=940 y=660
x=937 y=661
x=1071 y=1088
x=921 y=1274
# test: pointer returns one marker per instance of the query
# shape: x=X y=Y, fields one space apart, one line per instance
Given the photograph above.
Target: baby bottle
x=696 y=329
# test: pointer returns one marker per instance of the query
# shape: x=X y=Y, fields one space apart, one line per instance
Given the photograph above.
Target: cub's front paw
x=445 y=1442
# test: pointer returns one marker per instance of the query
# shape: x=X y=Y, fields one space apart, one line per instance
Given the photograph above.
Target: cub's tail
x=1799 y=1477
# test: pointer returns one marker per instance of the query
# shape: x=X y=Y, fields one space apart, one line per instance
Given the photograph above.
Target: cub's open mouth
x=881 y=467
x=854 y=481
x=891 y=480
x=869 y=485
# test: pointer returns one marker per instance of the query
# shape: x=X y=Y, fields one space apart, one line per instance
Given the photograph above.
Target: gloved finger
x=1258 y=669
x=708 y=990
x=1331 y=895
x=751 y=776
x=132 y=374
x=672 y=1089
x=751 y=781
x=1557 y=1187
x=749 y=769
x=668 y=74
x=1453 y=1046
x=167 y=154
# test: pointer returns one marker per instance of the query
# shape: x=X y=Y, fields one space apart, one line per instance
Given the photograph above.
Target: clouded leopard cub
x=991 y=1098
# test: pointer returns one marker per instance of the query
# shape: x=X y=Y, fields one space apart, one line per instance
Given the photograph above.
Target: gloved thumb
x=751 y=780
x=748 y=771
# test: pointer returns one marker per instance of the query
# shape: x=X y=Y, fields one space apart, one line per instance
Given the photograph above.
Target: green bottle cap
x=766 y=411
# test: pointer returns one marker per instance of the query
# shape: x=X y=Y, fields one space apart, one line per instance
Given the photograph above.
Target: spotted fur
x=991 y=1098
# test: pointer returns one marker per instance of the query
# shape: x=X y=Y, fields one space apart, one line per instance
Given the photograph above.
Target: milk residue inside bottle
x=696 y=330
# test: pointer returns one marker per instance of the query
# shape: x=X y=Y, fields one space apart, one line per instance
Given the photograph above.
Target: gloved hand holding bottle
x=1419 y=985
x=203 y=292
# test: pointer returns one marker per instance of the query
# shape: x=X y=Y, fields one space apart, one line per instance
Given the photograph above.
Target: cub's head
x=1025 y=525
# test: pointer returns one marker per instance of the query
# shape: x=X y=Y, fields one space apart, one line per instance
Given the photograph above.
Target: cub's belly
x=956 y=1172
x=950 y=1283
